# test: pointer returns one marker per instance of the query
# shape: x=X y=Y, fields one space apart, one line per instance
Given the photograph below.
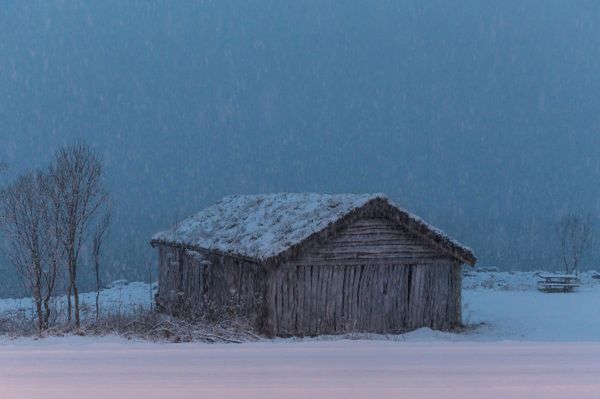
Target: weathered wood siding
x=373 y=276
x=370 y=241
x=333 y=299
x=209 y=285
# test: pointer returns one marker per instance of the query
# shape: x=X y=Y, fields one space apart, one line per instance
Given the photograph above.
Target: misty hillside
x=484 y=119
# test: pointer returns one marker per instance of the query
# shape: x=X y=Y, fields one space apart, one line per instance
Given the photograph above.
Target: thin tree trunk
x=40 y=317
x=97 y=290
x=69 y=303
x=47 y=313
x=76 y=299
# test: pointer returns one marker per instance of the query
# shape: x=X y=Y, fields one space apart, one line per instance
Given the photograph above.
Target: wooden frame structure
x=375 y=268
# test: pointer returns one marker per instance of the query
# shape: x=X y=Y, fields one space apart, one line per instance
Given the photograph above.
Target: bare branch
x=78 y=193
x=27 y=225
x=575 y=235
x=97 y=243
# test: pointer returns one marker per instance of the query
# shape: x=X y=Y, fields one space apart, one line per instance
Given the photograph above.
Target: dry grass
x=141 y=324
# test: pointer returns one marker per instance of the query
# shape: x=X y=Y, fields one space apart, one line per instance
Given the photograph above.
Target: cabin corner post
x=457 y=274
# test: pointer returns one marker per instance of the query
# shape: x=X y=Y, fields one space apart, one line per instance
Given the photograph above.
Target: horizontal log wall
x=370 y=241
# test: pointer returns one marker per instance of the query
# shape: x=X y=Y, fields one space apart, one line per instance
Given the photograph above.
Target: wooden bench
x=557 y=282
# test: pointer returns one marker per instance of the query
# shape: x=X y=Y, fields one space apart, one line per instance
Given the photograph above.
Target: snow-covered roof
x=265 y=225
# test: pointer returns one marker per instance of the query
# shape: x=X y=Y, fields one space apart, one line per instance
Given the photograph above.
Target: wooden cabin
x=311 y=264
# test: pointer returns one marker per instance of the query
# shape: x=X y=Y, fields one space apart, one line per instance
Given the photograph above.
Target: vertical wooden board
x=325 y=300
x=415 y=297
x=335 y=298
x=364 y=298
x=339 y=308
x=457 y=295
x=421 y=319
x=382 y=276
x=321 y=300
x=307 y=299
x=387 y=281
x=400 y=298
x=377 y=298
x=271 y=307
x=292 y=288
x=365 y=310
x=355 y=297
x=431 y=288
x=444 y=297
x=347 y=298
x=289 y=291
x=427 y=289
x=358 y=322
x=313 y=299
x=325 y=329
x=425 y=305
x=329 y=300
x=285 y=311
x=317 y=298
x=372 y=299
x=299 y=300
x=293 y=282
x=351 y=290
x=394 y=293
x=344 y=298
x=278 y=301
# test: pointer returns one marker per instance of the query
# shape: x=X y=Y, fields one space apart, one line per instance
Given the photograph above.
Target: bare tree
x=97 y=243
x=27 y=222
x=575 y=237
x=79 y=193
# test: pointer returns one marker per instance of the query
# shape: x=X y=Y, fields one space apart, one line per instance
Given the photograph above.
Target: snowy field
x=120 y=297
x=526 y=344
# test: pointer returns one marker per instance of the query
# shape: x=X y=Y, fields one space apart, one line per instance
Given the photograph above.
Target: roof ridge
x=261 y=226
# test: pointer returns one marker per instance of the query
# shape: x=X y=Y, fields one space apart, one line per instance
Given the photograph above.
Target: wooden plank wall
x=223 y=287
x=313 y=300
x=372 y=276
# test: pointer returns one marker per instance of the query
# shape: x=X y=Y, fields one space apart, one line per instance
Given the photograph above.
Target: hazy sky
x=482 y=117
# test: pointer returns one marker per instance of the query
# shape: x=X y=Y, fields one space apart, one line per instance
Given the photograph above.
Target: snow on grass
x=120 y=298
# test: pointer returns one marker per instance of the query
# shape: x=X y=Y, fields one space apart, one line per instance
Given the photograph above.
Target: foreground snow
x=113 y=368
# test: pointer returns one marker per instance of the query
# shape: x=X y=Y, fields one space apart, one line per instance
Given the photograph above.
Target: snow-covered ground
x=113 y=368
x=511 y=308
x=527 y=344
x=120 y=297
